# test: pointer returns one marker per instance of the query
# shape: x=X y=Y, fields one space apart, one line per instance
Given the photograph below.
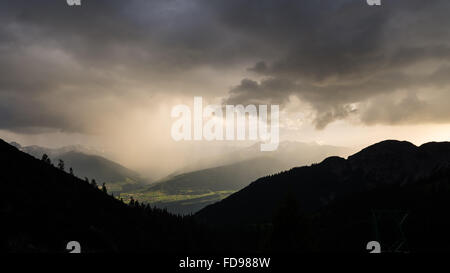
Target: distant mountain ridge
x=186 y=191
x=386 y=163
x=189 y=192
x=289 y=154
x=228 y=177
x=37 y=151
x=86 y=162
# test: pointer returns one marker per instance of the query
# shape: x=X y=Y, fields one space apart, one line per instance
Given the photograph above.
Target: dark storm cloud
x=344 y=53
x=51 y=53
x=274 y=91
x=330 y=53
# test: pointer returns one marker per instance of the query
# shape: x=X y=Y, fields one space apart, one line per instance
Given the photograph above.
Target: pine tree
x=104 y=188
x=71 y=172
x=46 y=159
x=61 y=165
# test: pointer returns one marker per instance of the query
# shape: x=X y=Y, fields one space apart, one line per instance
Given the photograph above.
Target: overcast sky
x=107 y=73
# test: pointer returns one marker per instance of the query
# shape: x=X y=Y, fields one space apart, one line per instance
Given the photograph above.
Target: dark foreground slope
x=382 y=164
x=42 y=208
x=393 y=192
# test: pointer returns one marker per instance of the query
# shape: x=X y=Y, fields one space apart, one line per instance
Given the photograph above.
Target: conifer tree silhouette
x=61 y=165
x=46 y=159
x=94 y=183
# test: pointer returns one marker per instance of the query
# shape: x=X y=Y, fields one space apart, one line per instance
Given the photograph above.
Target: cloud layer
x=69 y=68
x=386 y=65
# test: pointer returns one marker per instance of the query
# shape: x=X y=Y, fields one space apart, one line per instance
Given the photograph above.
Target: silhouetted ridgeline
x=42 y=208
x=392 y=192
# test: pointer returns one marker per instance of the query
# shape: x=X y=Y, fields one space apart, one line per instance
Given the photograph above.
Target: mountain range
x=392 y=192
x=381 y=165
x=189 y=192
x=186 y=193
x=288 y=154
x=87 y=162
